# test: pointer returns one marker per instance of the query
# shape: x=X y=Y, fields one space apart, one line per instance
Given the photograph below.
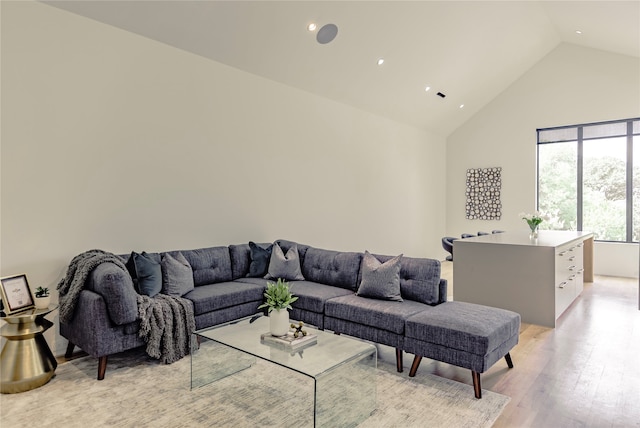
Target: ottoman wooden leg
x=414 y=366
x=399 y=360
x=508 y=360
x=477 y=389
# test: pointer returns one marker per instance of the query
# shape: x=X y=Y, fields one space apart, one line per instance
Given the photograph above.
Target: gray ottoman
x=463 y=334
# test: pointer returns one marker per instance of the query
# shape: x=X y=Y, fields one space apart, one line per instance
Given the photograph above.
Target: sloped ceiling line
x=469 y=50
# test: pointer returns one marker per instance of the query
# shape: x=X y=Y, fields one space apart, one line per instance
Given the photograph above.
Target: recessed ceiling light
x=311 y=27
x=380 y=61
x=426 y=89
x=578 y=32
x=461 y=105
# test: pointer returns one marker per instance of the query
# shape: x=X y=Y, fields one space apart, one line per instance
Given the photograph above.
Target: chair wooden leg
x=69 y=351
x=477 y=389
x=508 y=359
x=414 y=365
x=102 y=367
x=399 y=360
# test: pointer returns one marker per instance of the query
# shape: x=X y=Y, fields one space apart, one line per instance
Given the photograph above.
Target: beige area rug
x=139 y=392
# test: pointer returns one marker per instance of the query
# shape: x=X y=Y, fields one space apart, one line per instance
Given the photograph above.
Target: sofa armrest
x=116 y=288
x=92 y=330
x=442 y=287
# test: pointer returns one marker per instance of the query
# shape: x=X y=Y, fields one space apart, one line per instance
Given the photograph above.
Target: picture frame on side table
x=16 y=294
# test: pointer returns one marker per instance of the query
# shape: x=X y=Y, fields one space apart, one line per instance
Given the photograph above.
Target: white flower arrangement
x=534 y=220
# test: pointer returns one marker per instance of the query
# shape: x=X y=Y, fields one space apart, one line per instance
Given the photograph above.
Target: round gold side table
x=26 y=362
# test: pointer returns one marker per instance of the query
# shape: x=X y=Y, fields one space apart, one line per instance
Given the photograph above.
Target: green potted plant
x=42 y=298
x=533 y=220
x=278 y=300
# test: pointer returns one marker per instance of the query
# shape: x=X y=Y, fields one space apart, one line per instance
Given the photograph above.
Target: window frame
x=579 y=139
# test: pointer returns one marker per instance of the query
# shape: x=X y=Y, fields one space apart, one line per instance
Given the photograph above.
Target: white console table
x=538 y=278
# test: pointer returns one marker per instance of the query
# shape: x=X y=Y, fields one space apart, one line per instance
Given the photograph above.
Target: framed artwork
x=16 y=295
x=483 y=194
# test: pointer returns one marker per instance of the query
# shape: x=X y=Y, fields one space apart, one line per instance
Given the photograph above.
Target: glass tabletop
x=331 y=350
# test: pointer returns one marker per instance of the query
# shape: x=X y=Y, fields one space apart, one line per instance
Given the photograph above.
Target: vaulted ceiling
x=469 y=51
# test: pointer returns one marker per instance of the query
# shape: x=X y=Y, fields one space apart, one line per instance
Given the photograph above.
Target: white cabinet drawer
x=565 y=293
x=569 y=272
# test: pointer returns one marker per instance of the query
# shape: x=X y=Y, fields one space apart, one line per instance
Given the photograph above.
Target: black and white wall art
x=483 y=194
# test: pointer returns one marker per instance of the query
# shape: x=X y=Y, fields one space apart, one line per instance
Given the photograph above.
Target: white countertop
x=546 y=238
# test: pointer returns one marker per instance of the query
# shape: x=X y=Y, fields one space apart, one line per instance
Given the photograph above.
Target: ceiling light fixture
x=426 y=89
x=327 y=33
x=311 y=27
x=380 y=61
x=461 y=105
x=578 y=32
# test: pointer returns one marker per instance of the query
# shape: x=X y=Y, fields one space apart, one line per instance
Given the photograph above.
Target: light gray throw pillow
x=177 y=275
x=284 y=266
x=380 y=280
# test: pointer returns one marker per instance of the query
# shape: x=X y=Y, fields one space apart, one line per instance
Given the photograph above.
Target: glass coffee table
x=343 y=369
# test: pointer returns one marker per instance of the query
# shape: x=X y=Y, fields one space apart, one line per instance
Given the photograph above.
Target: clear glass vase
x=534 y=232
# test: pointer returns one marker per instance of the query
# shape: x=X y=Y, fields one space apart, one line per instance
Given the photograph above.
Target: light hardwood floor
x=583 y=373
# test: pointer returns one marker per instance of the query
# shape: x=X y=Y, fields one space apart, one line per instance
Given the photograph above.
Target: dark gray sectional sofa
x=471 y=336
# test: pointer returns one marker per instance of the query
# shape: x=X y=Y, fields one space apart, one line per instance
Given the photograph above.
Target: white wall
x=615 y=259
x=114 y=141
x=571 y=85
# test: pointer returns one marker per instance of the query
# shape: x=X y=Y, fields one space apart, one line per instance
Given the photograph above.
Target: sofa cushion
x=177 y=275
x=241 y=259
x=210 y=265
x=240 y=256
x=146 y=272
x=382 y=314
x=260 y=257
x=255 y=281
x=312 y=295
x=214 y=297
x=365 y=332
x=284 y=266
x=468 y=327
x=380 y=280
x=231 y=313
x=419 y=279
x=286 y=245
x=332 y=268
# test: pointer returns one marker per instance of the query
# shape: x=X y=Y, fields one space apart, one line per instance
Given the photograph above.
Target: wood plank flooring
x=583 y=373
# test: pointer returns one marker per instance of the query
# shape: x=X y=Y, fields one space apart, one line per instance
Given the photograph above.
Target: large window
x=589 y=178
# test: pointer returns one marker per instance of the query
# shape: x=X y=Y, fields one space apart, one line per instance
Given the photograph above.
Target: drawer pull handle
x=572 y=258
x=572 y=277
x=572 y=267
x=561 y=254
x=562 y=284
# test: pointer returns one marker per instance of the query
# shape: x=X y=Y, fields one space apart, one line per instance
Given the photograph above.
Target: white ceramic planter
x=42 y=302
x=279 y=322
